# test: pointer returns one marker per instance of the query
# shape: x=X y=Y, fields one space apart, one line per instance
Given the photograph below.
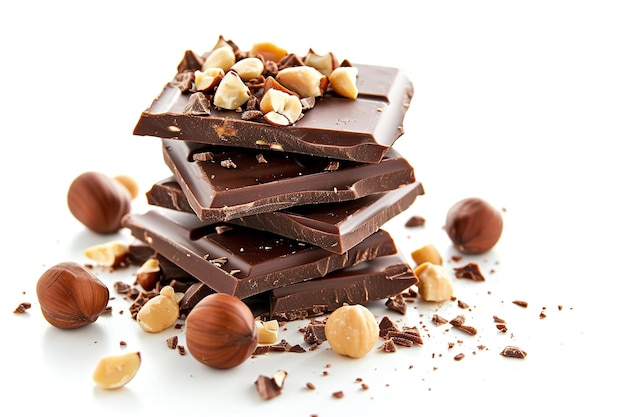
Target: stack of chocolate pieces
x=286 y=218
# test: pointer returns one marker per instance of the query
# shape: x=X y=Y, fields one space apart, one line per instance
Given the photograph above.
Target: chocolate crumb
x=513 y=352
x=338 y=394
x=314 y=333
x=469 y=271
x=501 y=327
x=22 y=307
x=203 y=156
x=456 y=258
x=459 y=357
x=385 y=326
x=267 y=387
x=462 y=304
x=415 y=221
x=438 y=320
x=498 y=319
x=388 y=346
x=181 y=350
x=228 y=163
x=397 y=303
x=310 y=385
x=365 y=386
x=332 y=166
x=123 y=343
x=521 y=303
x=172 y=342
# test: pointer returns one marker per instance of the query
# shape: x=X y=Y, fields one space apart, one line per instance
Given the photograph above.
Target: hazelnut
x=129 y=183
x=148 y=274
x=473 y=225
x=343 y=81
x=427 y=253
x=231 y=93
x=115 y=371
x=434 y=283
x=113 y=254
x=71 y=296
x=352 y=330
x=323 y=63
x=268 y=50
x=221 y=331
x=206 y=80
x=303 y=80
x=249 y=68
x=98 y=201
x=160 y=312
x=221 y=57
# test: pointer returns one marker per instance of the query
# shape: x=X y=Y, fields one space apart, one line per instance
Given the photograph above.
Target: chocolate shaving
x=521 y=303
x=397 y=303
x=252 y=115
x=22 y=308
x=267 y=387
x=469 y=271
x=228 y=163
x=415 y=221
x=172 y=342
x=332 y=166
x=385 y=326
x=388 y=346
x=198 y=105
x=513 y=352
x=315 y=333
x=190 y=62
x=203 y=156
x=438 y=320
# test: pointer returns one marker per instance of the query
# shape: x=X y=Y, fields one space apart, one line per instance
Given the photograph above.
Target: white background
x=520 y=103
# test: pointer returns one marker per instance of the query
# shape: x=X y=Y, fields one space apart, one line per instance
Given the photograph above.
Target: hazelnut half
x=221 y=331
x=98 y=201
x=71 y=296
x=473 y=225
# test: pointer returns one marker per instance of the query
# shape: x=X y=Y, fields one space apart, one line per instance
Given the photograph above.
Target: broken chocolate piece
x=336 y=227
x=361 y=130
x=513 y=352
x=248 y=187
x=242 y=262
x=469 y=271
x=376 y=279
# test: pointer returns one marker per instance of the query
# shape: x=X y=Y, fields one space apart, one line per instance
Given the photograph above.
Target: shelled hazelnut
x=352 y=330
x=115 y=371
x=473 y=225
x=71 y=296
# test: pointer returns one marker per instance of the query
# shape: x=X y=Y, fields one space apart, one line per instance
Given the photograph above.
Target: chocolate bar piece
x=369 y=281
x=242 y=261
x=361 y=130
x=336 y=227
x=223 y=183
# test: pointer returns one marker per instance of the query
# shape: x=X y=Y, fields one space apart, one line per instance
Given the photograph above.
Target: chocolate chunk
x=336 y=227
x=196 y=292
x=376 y=279
x=198 y=105
x=513 y=352
x=243 y=262
x=469 y=271
x=315 y=333
x=361 y=130
x=285 y=180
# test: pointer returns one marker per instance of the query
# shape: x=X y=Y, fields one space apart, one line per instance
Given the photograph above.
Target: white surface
x=521 y=103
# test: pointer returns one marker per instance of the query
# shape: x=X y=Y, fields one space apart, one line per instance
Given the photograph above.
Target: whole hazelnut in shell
x=221 y=332
x=98 y=201
x=71 y=296
x=473 y=225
